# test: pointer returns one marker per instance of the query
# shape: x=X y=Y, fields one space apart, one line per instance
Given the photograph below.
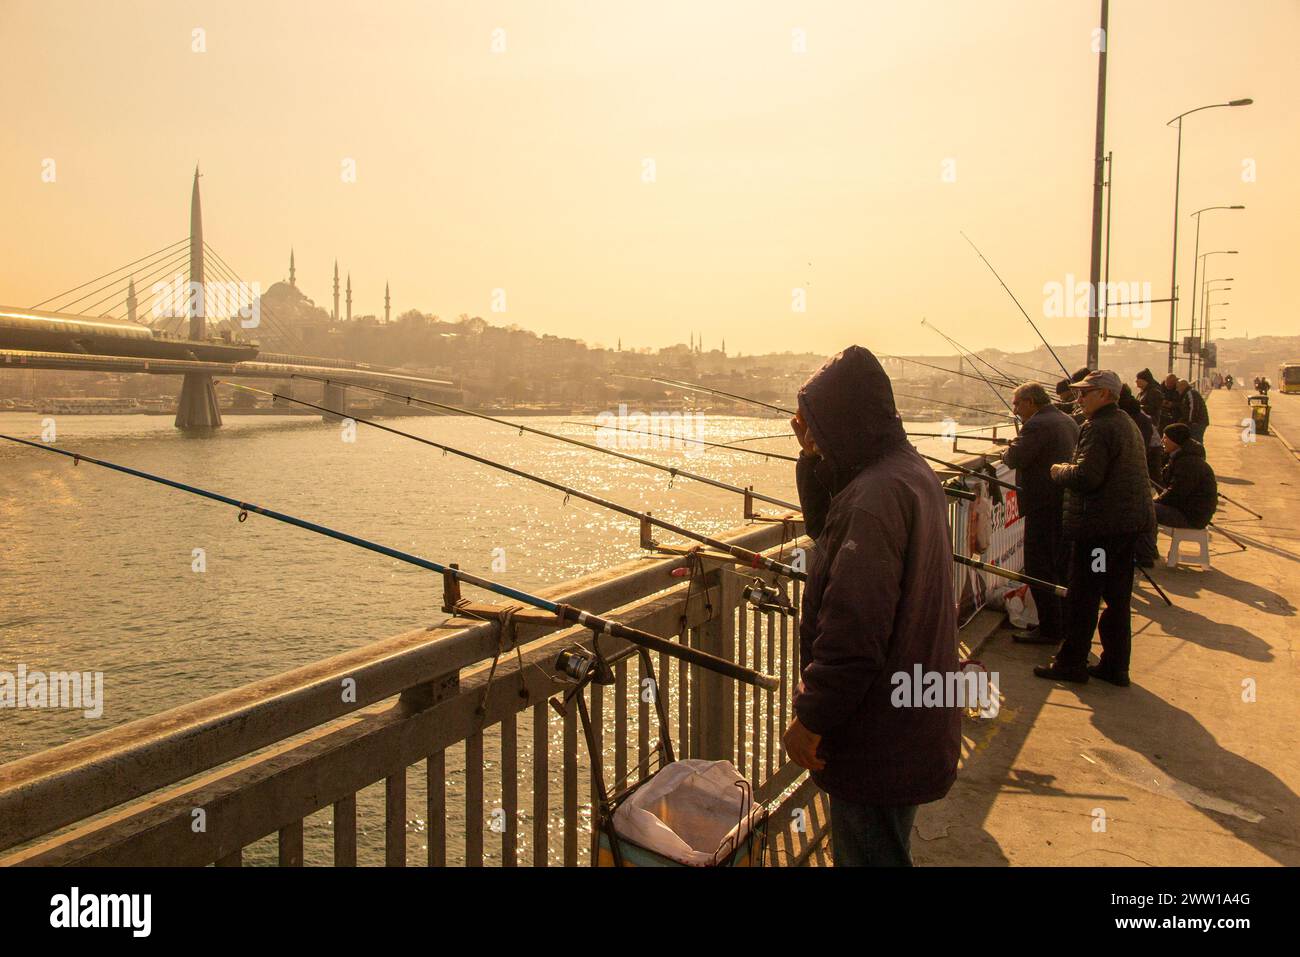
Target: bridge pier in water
x=197 y=408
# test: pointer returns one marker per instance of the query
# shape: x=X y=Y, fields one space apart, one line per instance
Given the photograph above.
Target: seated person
x=1191 y=492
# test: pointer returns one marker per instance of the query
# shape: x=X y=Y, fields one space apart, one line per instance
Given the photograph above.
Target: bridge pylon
x=197 y=408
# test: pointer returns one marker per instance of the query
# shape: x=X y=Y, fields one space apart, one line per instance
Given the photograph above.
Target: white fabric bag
x=688 y=812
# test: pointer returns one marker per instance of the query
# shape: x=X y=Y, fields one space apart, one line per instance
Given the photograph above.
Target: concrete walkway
x=1179 y=768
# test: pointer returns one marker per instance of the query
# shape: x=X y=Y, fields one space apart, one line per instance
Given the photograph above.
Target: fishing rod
x=732 y=447
x=1033 y=369
x=777 y=408
x=681 y=438
x=1007 y=380
x=987 y=381
x=749 y=557
x=929 y=435
x=973 y=473
x=740 y=555
x=1018 y=306
x=957 y=372
x=670 y=469
x=451 y=573
x=951 y=465
x=1001 y=572
x=708 y=391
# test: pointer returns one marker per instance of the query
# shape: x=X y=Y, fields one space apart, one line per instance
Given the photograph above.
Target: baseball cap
x=1101 y=379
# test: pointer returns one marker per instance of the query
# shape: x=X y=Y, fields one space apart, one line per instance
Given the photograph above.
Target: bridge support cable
x=68 y=292
x=146 y=282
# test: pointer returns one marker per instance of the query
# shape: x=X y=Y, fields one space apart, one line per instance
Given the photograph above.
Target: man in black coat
x=1107 y=508
x=1047 y=437
x=1150 y=395
x=1191 y=492
x=1170 y=404
x=1192 y=410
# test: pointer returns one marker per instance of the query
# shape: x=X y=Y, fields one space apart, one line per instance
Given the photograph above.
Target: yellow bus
x=1288 y=377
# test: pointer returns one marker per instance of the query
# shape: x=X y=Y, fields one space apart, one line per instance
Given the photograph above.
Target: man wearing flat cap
x=1107 y=508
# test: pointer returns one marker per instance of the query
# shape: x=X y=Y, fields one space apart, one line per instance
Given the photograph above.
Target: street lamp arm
x=1211 y=106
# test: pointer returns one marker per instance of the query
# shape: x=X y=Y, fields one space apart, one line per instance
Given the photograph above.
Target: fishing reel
x=767 y=597
x=582 y=665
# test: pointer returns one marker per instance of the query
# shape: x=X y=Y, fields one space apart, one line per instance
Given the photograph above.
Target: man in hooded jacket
x=878 y=614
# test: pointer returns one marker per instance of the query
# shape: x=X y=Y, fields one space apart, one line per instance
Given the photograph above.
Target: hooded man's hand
x=800 y=428
x=801 y=744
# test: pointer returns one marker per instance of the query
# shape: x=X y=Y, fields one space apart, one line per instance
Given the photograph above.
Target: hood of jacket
x=848 y=405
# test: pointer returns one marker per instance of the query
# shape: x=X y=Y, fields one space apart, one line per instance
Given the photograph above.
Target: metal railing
x=438 y=746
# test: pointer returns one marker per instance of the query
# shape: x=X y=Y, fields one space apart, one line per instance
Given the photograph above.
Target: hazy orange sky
x=774 y=169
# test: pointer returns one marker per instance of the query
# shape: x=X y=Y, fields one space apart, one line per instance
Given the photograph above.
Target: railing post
x=716 y=694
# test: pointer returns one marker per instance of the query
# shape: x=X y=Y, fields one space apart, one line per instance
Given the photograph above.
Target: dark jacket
x=1192 y=409
x=1151 y=398
x=1107 y=489
x=1190 y=485
x=1170 y=404
x=1133 y=408
x=1048 y=437
x=879 y=597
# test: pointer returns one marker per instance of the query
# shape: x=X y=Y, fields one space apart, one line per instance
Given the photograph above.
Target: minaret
x=130 y=300
x=724 y=348
x=388 y=307
x=334 y=316
x=293 y=282
x=349 y=297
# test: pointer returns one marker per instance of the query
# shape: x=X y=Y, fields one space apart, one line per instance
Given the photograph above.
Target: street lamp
x=1173 y=270
x=1196 y=261
x=1204 y=291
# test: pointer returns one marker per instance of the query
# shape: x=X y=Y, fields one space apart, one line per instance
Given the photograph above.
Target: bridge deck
x=1176 y=769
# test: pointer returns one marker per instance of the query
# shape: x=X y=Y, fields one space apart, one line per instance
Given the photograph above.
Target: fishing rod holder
x=454 y=604
x=753 y=516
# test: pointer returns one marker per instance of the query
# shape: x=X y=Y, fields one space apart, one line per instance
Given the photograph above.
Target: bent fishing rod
x=598 y=624
x=741 y=555
x=671 y=470
x=1018 y=306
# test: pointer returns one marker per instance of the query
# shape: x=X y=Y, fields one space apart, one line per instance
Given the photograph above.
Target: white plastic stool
x=1197 y=536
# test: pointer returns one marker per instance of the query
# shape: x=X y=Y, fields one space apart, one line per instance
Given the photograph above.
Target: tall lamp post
x=1173 y=269
x=1208 y=289
x=1196 y=261
x=1205 y=256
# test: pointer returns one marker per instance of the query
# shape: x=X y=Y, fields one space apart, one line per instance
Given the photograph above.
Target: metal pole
x=1173 y=269
x=1196 y=263
x=1098 y=178
x=1110 y=193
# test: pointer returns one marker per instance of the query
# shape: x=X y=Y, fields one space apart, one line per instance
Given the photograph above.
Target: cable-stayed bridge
x=199 y=330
